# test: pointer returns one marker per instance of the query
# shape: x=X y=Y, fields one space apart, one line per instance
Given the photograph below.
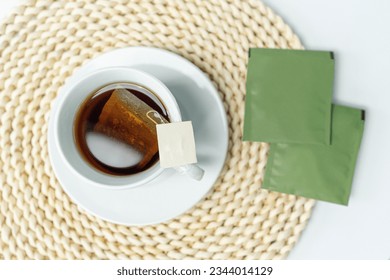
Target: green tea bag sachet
x=322 y=172
x=288 y=96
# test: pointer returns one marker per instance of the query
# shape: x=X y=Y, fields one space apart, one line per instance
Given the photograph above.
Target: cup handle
x=191 y=170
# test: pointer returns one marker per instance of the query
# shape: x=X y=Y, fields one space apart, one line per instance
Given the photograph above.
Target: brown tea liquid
x=115 y=129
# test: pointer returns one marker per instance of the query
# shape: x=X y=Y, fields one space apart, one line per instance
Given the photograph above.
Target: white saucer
x=170 y=194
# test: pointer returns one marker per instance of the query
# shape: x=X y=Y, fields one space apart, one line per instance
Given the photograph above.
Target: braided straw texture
x=44 y=42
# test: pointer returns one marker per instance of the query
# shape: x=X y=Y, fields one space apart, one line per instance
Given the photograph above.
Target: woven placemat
x=44 y=42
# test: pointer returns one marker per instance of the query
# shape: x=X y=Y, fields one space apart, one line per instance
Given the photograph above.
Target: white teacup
x=65 y=110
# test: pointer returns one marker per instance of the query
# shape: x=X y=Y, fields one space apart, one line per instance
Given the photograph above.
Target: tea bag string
x=155 y=117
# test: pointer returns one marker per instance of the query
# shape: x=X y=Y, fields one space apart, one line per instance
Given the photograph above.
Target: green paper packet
x=322 y=172
x=288 y=96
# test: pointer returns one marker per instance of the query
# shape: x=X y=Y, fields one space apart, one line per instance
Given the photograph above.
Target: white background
x=281 y=270
x=359 y=33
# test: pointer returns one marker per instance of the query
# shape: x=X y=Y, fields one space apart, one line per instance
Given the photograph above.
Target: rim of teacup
x=67 y=105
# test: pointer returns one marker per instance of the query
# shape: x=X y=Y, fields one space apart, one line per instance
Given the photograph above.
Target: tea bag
x=288 y=96
x=130 y=120
x=322 y=172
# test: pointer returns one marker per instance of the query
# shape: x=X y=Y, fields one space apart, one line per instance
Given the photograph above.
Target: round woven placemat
x=43 y=42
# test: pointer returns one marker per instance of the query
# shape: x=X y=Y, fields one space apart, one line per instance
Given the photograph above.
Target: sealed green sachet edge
x=317 y=54
x=289 y=95
x=318 y=171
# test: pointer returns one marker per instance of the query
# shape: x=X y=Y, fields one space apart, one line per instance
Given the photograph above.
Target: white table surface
x=359 y=33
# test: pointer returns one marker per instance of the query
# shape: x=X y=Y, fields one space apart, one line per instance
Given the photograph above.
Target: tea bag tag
x=176 y=144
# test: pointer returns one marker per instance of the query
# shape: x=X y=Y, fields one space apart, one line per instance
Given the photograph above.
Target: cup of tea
x=104 y=127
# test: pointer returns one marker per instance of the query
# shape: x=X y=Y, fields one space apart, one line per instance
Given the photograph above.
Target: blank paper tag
x=176 y=144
